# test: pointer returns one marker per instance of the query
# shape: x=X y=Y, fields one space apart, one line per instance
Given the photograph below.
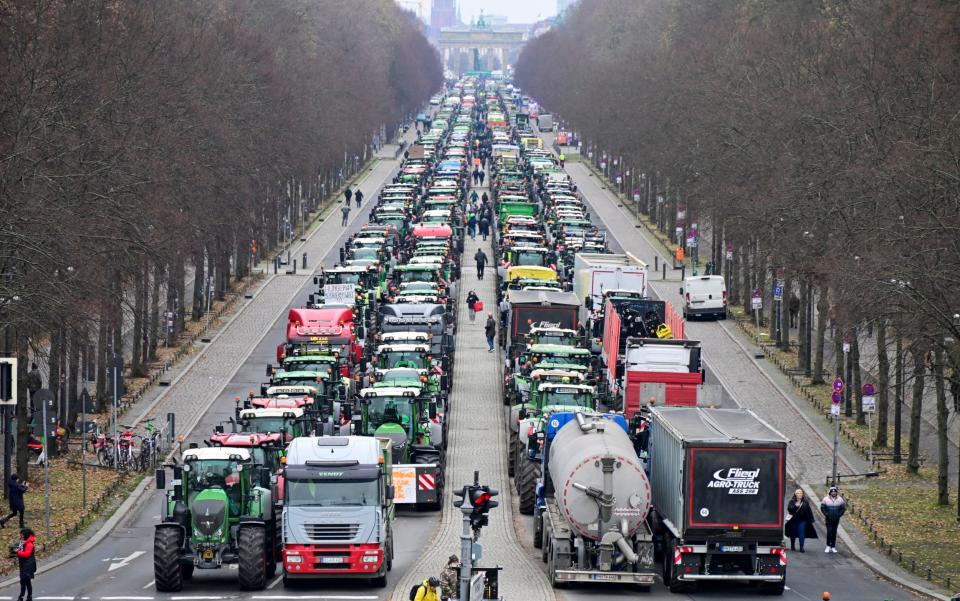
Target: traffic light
x=481 y=498
x=461 y=495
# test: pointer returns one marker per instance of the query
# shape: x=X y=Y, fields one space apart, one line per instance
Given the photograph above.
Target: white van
x=704 y=295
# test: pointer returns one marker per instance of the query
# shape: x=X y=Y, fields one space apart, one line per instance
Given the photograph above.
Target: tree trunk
x=822 y=310
x=785 y=314
x=198 y=280
x=840 y=368
x=913 y=455
x=72 y=380
x=883 y=384
x=943 y=457
x=803 y=359
x=745 y=277
x=898 y=401
x=139 y=307
x=153 y=336
x=23 y=408
x=857 y=392
x=102 y=365
x=53 y=362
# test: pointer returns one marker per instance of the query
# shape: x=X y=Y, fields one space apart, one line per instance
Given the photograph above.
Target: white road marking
x=126 y=598
x=120 y=562
x=57 y=598
x=149 y=584
x=315 y=597
x=275 y=581
x=200 y=598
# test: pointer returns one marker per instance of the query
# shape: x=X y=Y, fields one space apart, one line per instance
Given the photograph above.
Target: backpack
x=413 y=592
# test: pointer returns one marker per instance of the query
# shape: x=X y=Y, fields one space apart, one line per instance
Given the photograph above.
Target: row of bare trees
x=141 y=142
x=816 y=141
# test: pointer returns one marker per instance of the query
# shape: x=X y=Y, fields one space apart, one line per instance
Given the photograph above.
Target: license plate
x=605 y=577
x=732 y=548
x=331 y=560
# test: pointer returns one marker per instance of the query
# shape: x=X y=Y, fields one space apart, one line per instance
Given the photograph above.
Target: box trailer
x=596 y=274
x=718 y=479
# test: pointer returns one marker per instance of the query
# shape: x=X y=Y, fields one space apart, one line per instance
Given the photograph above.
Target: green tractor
x=220 y=511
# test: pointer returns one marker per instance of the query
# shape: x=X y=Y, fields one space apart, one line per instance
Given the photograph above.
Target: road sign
x=8 y=381
x=729 y=255
x=756 y=299
x=777 y=293
x=868 y=404
x=692 y=241
x=838 y=384
x=835 y=410
x=836 y=398
x=868 y=390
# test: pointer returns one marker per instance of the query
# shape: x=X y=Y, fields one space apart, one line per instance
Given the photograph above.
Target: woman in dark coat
x=28 y=563
x=800 y=524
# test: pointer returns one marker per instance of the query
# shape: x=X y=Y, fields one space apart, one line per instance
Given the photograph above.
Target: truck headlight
x=370 y=558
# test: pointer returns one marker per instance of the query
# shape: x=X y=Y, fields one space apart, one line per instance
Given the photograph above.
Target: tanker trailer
x=592 y=503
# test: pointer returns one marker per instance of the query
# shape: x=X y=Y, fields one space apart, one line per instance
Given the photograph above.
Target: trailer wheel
x=527 y=484
x=166 y=560
x=552 y=568
x=252 y=543
x=673 y=583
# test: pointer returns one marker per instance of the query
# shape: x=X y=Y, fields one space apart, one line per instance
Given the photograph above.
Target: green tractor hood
x=210 y=514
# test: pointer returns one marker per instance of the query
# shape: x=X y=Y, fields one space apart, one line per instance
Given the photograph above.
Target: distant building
x=443 y=14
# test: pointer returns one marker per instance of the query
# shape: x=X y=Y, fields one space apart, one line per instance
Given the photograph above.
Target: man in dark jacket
x=481 y=259
x=450 y=579
x=34 y=380
x=347 y=195
x=15 y=490
x=833 y=507
x=490 y=330
x=358 y=197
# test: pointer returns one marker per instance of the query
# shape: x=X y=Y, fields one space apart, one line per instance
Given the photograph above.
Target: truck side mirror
x=433 y=409
x=218 y=429
x=161 y=476
x=523 y=413
x=390 y=493
x=265 y=478
x=444 y=382
x=316 y=281
x=342 y=254
x=269 y=369
x=681 y=290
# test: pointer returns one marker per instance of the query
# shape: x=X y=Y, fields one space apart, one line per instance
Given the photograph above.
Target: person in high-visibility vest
x=680 y=254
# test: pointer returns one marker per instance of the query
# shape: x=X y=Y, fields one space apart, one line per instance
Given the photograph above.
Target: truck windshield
x=418 y=276
x=390 y=359
x=569 y=398
x=341 y=278
x=388 y=410
x=531 y=258
x=298 y=381
x=267 y=425
x=331 y=493
x=212 y=474
x=317 y=364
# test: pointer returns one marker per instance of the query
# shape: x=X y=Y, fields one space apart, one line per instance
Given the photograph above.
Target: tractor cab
x=403 y=355
x=549 y=334
x=270 y=421
x=402 y=415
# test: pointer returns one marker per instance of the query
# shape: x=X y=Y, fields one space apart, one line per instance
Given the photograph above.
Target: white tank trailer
x=595 y=496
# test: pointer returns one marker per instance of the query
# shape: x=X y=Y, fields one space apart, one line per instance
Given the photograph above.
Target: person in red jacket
x=28 y=563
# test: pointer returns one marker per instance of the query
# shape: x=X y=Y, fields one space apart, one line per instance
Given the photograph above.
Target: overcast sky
x=516 y=11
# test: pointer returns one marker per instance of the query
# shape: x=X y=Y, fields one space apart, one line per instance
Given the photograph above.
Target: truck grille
x=328 y=532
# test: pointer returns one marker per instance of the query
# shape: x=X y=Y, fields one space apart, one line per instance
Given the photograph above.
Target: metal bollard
x=664 y=270
x=683 y=272
x=304 y=260
x=288 y=257
x=656 y=263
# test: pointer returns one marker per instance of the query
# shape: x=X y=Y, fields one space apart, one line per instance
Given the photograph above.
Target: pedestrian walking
x=563 y=159
x=833 y=507
x=485 y=226
x=476 y=177
x=481 y=175
x=800 y=524
x=34 y=381
x=481 y=258
x=15 y=491
x=358 y=197
x=347 y=195
x=794 y=310
x=345 y=211
x=473 y=197
x=490 y=330
x=485 y=199
x=472 y=300
x=427 y=590
x=472 y=225
x=27 y=560
x=450 y=579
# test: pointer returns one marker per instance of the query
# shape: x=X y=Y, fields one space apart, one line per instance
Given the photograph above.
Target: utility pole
x=836 y=399
x=475 y=502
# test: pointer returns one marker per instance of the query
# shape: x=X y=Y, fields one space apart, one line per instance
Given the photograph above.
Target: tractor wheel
x=166 y=560
x=186 y=570
x=537 y=530
x=252 y=543
x=511 y=449
x=527 y=477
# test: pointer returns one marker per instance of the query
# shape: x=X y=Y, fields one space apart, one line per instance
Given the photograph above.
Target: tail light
x=678 y=554
x=782 y=552
x=724 y=297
